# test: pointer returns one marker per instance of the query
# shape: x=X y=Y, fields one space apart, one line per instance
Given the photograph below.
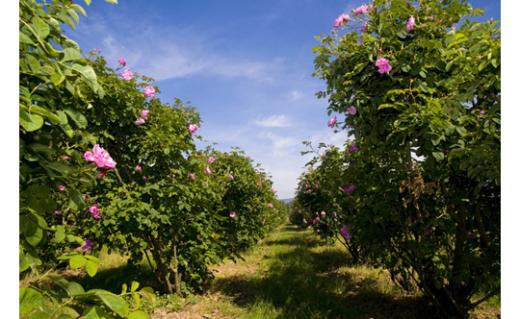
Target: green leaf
x=76 y=201
x=91 y=268
x=71 y=54
x=24 y=38
x=40 y=27
x=134 y=286
x=77 y=117
x=439 y=156
x=35 y=109
x=422 y=74
x=112 y=301
x=30 y=228
x=494 y=63
x=138 y=314
x=77 y=261
x=30 y=122
x=87 y=2
x=111 y=1
x=59 y=235
x=29 y=300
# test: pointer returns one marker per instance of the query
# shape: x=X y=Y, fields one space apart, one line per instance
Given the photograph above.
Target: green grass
x=291 y=274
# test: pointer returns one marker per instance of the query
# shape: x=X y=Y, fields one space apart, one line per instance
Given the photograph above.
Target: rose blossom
x=383 y=66
x=99 y=156
x=410 y=23
x=232 y=214
x=270 y=205
x=332 y=121
x=351 y=110
x=193 y=128
x=350 y=188
x=61 y=188
x=341 y=20
x=149 y=91
x=121 y=61
x=139 y=121
x=345 y=232
x=207 y=170
x=95 y=211
x=127 y=75
x=87 y=245
x=144 y=114
x=138 y=168
x=211 y=159
x=363 y=9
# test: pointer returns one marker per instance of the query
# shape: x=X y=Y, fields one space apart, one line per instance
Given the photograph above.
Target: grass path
x=290 y=275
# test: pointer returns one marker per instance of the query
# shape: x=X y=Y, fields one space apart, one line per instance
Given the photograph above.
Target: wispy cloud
x=274 y=121
x=295 y=95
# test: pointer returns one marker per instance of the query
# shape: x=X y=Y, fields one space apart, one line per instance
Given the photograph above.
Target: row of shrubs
x=416 y=188
x=104 y=162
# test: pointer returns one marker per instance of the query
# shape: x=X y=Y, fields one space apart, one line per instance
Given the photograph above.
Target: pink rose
x=193 y=128
x=149 y=91
x=100 y=157
x=363 y=9
x=95 y=211
x=207 y=170
x=138 y=168
x=211 y=159
x=341 y=20
x=139 y=121
x=121 y=61
x=332 y=121
x=232 y=214
x=383 y=66
x=270 y=205
x=410 y=23
x=127 y=75
x=61 y=188
x=144 y=114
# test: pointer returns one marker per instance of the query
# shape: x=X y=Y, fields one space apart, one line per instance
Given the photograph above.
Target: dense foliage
x=417 y=188
x=105 y=162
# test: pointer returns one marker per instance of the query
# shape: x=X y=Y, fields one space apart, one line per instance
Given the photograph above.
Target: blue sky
x=246 y=65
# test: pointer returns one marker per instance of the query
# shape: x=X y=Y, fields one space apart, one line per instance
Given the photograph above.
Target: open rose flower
x=270 y=205
x=345 y=232
x=410 y=23
x=211 y=159
x=144 y=114
x=95 y=211
x=362 y=9
x=350 y=188
x=127 y=75
x=383 y=66
x=99 y=156
x=364 y=27
x=232 y=214
x=351 y=110
x=139 y=121
x=121 y=61
x=332 y=121
x=341 y=20
x=61 y=188
x=149 y=91
x=193 y=128
x=86 y=246
x=138 y=168
x=207 y=170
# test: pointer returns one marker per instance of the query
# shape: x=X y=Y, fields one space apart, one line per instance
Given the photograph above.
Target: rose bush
x=418 y=83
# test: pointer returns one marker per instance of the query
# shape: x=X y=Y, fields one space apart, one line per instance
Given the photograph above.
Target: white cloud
x=295 y=95
x=274 y=121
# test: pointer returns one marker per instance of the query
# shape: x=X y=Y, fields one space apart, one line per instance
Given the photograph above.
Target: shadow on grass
x=113 y=278
x=301 y=283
